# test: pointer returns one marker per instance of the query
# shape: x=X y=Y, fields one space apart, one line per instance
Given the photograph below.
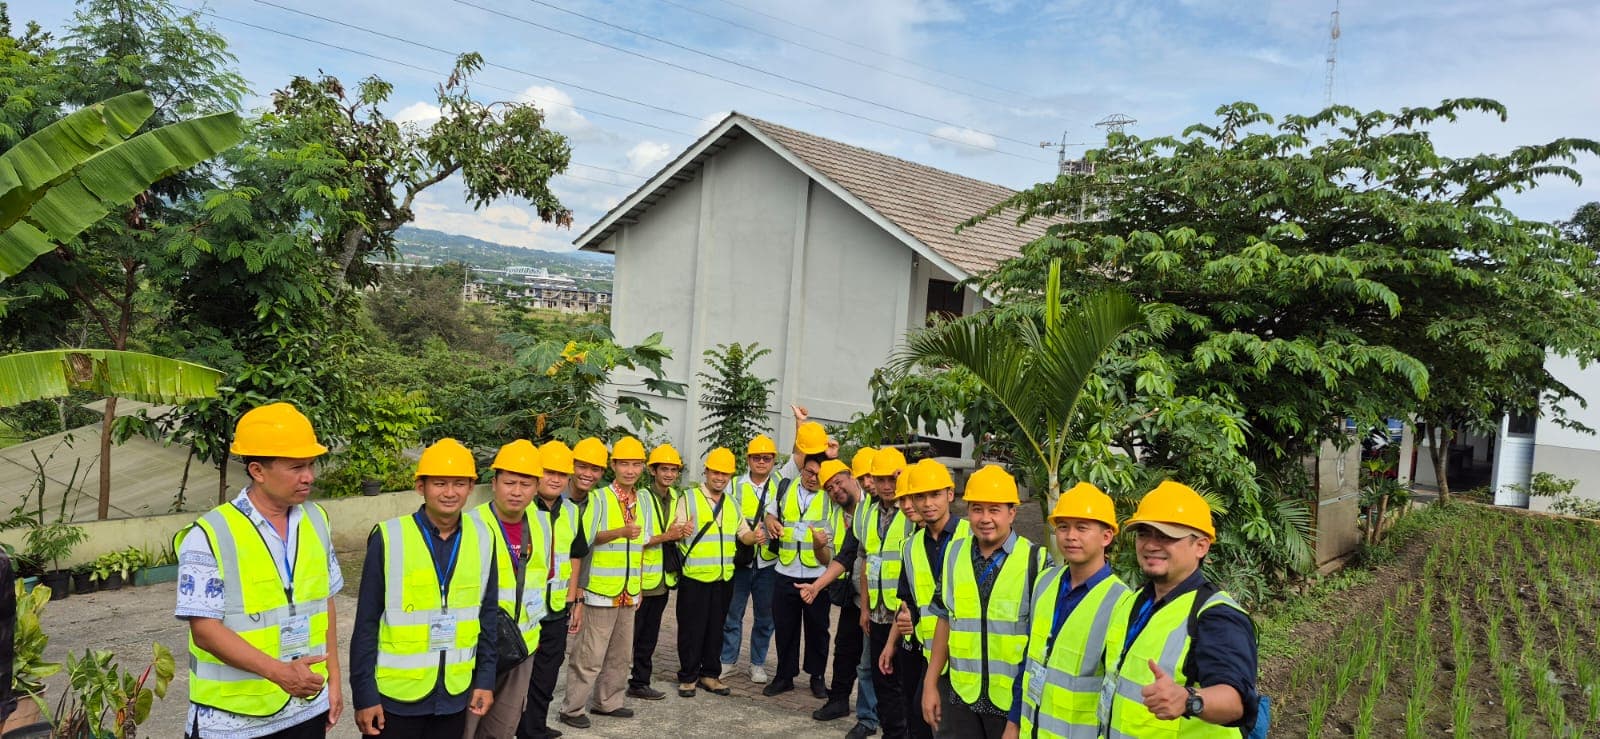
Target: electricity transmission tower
x=1333 y=54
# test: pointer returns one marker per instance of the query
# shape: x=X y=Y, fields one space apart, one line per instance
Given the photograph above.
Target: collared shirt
x=934 y=546
x=985 y=570
x=773 y=484
x=1224 y=648
x=200 y=595
x=369 y=612
x=797 y=569
x=1068 y=596
x=626 y=503
x=880 y=614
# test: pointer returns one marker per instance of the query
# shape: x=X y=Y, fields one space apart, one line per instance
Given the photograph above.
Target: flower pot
x=371 y=487
x=27 y=715
x=84 y=582
x=28 y=583
x=58 y=581
x=114 y=582
x=156 y=575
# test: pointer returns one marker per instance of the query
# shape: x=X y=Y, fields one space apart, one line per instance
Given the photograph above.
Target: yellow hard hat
x=1085 y=500
x=592 y=451
x=721 y=460
x=664 y=454
x=900 y=483
x=520 y=456
x=762 y=444
x=861 y=463
x=830 y=468
x=991 y=484
x=888 y=461
x=556 y=457
x=276 y=430
x=811 y=438
x=447 y=458
x=627 y=448
x=926 y=476
x=1174 y=509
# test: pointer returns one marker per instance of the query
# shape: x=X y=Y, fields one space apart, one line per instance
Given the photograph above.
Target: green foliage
x=1546 y=485
x=383 y=423
x=914 y=401
x=103 y=699
x=733 y=398
x=412 y=306
x=28 y=667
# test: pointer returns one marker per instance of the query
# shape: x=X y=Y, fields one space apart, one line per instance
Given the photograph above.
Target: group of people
x=946 y=626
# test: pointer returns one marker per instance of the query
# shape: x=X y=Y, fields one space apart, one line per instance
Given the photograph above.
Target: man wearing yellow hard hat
x=1059 y=692
x=756 y=492
x=665 y=465
x=707 y=582
x=881 y=531
x=800 y=522
x=983 y=602
x=1167 y=682
x=256 y=577
x=421 y=654
x=597 y=673
x=568 y=545
x=520 y=549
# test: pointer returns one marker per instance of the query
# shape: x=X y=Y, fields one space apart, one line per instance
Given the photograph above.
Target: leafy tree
x=1323 y=267
x=1584 y=227
x=734 y=399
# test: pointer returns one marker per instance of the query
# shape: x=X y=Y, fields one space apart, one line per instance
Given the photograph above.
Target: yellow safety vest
x=531 y=607
x=882 y=554
x=821 y=512
x=652 y=570
x=408 y=666
x=919 y=571
x=711 y=559
x=257 y=606
x=563 y=532
x=988 y=636
x=750 y=500
x=616 y=565
x=1165 y=639
x=1072 y=669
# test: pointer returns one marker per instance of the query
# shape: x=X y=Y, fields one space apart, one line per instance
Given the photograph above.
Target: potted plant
x=51 y=543
x=108 y=571
x=160 y=567
x=102 y=700
x=83 y=578
x=29 y=669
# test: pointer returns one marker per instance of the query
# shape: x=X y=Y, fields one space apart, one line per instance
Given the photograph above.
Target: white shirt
x=797 y=569
x=200 y=595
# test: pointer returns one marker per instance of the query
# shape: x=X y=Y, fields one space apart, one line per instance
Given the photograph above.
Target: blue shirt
x=1067 y=599
x=369 y=612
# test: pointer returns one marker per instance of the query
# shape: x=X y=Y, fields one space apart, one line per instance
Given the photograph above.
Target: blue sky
x=997 y=75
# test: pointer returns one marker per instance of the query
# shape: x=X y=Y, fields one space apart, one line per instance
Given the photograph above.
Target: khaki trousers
x=597 y=669
x=510 y=697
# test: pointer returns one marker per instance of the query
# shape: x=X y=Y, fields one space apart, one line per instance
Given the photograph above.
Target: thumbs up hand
x=1165 y=698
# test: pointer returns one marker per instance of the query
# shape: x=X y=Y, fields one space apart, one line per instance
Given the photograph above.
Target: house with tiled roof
x=823 y=252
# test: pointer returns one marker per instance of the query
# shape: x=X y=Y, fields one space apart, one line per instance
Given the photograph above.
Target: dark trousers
x=910 y=665
x=423 y=727
x=847 y=644
x=891 y=700
x=957 y=720
x=547 y=659
x=702 y=607
x=646 y=634
x=312 y=728
x=789 y=611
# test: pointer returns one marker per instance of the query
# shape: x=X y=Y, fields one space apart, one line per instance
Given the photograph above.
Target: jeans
x=749 y=583
x=866 y=692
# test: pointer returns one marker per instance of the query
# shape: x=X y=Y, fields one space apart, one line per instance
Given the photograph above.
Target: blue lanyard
x=999 y=557
x=1139 y=622
x=444 y=574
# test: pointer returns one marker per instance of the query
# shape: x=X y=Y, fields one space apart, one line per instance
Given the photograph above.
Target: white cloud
x=645 y=155
x=558 y=111
x=977 y=143
x=418 y=112
x=512 y=225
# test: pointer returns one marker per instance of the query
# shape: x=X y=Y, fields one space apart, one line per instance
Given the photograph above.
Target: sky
x=970 y=87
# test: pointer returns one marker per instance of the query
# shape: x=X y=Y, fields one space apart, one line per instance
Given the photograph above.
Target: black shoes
x=580 y=721
x=860 y=731
x=646 y=693
x=819 y=689
x=832 y=710
x=623 y=712
x=778 y=687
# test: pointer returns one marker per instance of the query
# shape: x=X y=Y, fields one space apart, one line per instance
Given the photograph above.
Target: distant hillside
x=437 y=247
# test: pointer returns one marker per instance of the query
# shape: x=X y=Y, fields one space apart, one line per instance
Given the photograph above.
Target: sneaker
x=580 y=721
x=832 y=710
x=860 y=731
x=727 y=670
x=758 y=674
x=646 y=692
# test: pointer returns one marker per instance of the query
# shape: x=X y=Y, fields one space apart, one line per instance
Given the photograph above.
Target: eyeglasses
x=1155 y=535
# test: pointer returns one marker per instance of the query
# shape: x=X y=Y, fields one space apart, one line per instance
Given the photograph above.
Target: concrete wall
x=351 y=520
x=1567 y=453
x=751 y=250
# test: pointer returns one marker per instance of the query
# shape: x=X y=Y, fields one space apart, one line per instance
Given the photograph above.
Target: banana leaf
x=54 y=373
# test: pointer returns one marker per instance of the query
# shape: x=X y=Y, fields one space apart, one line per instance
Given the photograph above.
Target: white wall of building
x=1567 y=453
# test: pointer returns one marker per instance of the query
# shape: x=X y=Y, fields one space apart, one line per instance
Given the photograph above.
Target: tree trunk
x=1438 y=437
x=105 y=457
x=222 y=481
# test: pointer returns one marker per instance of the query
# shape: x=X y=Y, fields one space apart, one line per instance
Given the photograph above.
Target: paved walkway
x=129 y=620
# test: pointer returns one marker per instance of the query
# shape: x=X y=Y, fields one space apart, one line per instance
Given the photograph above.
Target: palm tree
x=1035 y=359
x=58 y=182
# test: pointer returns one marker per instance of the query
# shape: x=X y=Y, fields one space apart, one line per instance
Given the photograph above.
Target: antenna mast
x=1333 y=54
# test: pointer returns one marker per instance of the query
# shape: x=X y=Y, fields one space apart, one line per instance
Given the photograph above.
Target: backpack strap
x=1202 y=594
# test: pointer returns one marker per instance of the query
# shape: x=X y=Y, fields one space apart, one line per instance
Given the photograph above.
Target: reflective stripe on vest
x=407 y=668
x=506 y=571
x=919 y=571
x=711 y=559
x=652 y=564
x=750 y=499
x=615 y=566
x=988 y=636
x=256 y=605
x=1074 y=668
x=882 y=555
x=563 y=533
x=1165 y=639
x=820 y=512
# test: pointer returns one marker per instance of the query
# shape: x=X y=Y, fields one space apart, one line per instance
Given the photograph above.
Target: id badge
x=802 y=531
x=294 y=637
x=533 y=603
x=874 y=564
x=441 y=632
x=1108 y=691
x=1036 y=672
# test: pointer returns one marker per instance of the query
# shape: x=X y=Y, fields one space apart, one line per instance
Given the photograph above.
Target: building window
x=1521 y=424
x=945 y=300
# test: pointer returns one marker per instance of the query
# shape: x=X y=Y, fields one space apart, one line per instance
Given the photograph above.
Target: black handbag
x=744 y=555
x=672 y=556
x=509 y=648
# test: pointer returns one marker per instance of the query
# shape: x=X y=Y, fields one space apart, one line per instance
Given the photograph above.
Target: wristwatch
x=1194 y=705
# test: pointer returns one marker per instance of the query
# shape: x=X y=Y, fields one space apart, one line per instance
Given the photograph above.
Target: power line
x=879 y=52
x=599 y=181
x=453 y=54
x=772 y=74
x=747 y=86
x=624 y=173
